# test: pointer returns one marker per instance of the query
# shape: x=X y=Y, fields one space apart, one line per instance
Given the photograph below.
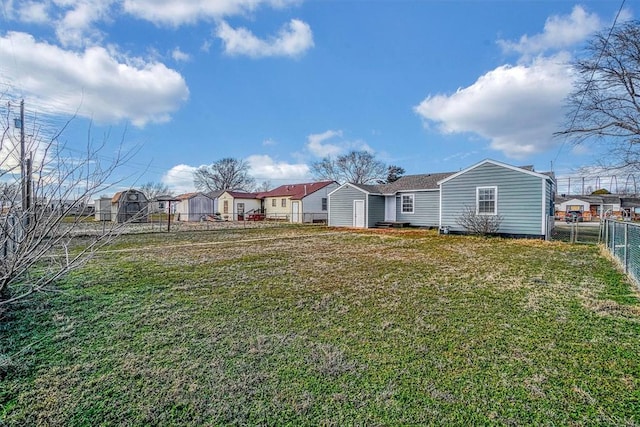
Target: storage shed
x=129 y=206
x=194 y=207
x=103 y=209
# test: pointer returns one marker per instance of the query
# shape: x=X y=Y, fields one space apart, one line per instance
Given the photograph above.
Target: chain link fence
x=577 y=232
x=162 y=222
x=622 y=239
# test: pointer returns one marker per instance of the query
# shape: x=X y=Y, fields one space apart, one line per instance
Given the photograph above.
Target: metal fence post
x=626 y=248
x=612 y=246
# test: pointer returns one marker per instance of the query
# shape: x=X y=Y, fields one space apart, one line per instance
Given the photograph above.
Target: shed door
x=295 y=211
x=358 y=214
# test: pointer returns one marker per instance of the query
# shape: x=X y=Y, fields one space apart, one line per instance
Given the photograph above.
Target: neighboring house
x=194 y=207
x=521 y=197
x=129 y=206
x=215 y=195
x=233 y=205
x=64 y=206
x=155 y=206
x=598 y=206
x=305 y=202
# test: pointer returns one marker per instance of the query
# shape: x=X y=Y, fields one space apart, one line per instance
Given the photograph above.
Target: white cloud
x=516 y=108
x=179 y=179
x=179 y=12
x=76 y=27
x=180 y=56
x=264 y=167
x=34 y=12
x=560 y=32
x=293 y=39
x=269 y=142
x=93 y=82
x=74 y=21
x=318 y=146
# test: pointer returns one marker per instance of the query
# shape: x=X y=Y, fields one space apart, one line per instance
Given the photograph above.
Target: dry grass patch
x=308 y=326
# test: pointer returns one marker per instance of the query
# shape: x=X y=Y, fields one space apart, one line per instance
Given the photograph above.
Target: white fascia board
x=496 y=163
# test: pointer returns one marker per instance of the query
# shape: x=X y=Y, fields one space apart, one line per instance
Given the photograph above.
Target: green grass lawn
x=313 y=326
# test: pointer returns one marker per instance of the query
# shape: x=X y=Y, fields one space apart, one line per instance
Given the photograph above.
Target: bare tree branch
x=38 y=242
x=358 y=167
x=604 y=106
x=224 y=174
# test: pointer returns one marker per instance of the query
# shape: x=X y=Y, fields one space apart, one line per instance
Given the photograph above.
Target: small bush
x=479 y=224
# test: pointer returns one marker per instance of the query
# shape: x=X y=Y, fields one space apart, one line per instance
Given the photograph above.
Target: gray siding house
x=412 y=198
x=522 y=197
x=356 y=205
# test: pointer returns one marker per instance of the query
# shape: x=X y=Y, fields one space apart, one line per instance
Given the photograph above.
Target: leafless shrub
x=43 y=201
x=482 y=225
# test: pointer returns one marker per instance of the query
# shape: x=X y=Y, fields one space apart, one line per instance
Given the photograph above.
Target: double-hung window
x=407 y=203
x=273 y=203
x=324 y=204
x=284 y=203
x=486 y=200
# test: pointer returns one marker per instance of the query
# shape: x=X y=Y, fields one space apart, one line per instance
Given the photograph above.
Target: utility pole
x=23 y=169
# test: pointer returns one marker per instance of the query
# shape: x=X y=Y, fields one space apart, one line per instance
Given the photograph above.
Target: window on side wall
x=486 y=200
x=225 y=207
x=324 y=203
x=284 y=203
x=273 y=203
x=407 y=203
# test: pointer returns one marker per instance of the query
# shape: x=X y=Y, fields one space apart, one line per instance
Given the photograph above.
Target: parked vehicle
x=574 y=216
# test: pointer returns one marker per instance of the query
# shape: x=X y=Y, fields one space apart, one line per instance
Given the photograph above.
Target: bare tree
x=394 y=173
x=474 y=223
x=604 y=105
x=358 y=167
x=224 y=174
x=264 y=186
x=151 y=190
x=38 y=240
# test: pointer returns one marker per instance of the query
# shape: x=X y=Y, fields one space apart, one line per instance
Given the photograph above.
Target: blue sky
x=432 y=86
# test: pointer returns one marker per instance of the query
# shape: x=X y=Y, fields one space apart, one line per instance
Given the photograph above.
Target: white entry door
x=390 y=208
x=358 y=214
x=295 y=212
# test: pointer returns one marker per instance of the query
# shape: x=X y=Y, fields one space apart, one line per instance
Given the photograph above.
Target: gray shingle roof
x=427 y=181
x=368 y=188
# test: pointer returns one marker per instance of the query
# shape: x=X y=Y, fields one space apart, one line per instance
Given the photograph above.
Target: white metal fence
x=622 y=239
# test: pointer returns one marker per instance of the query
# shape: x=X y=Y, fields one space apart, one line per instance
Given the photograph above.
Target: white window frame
x=495 y=200
x=413 y=203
